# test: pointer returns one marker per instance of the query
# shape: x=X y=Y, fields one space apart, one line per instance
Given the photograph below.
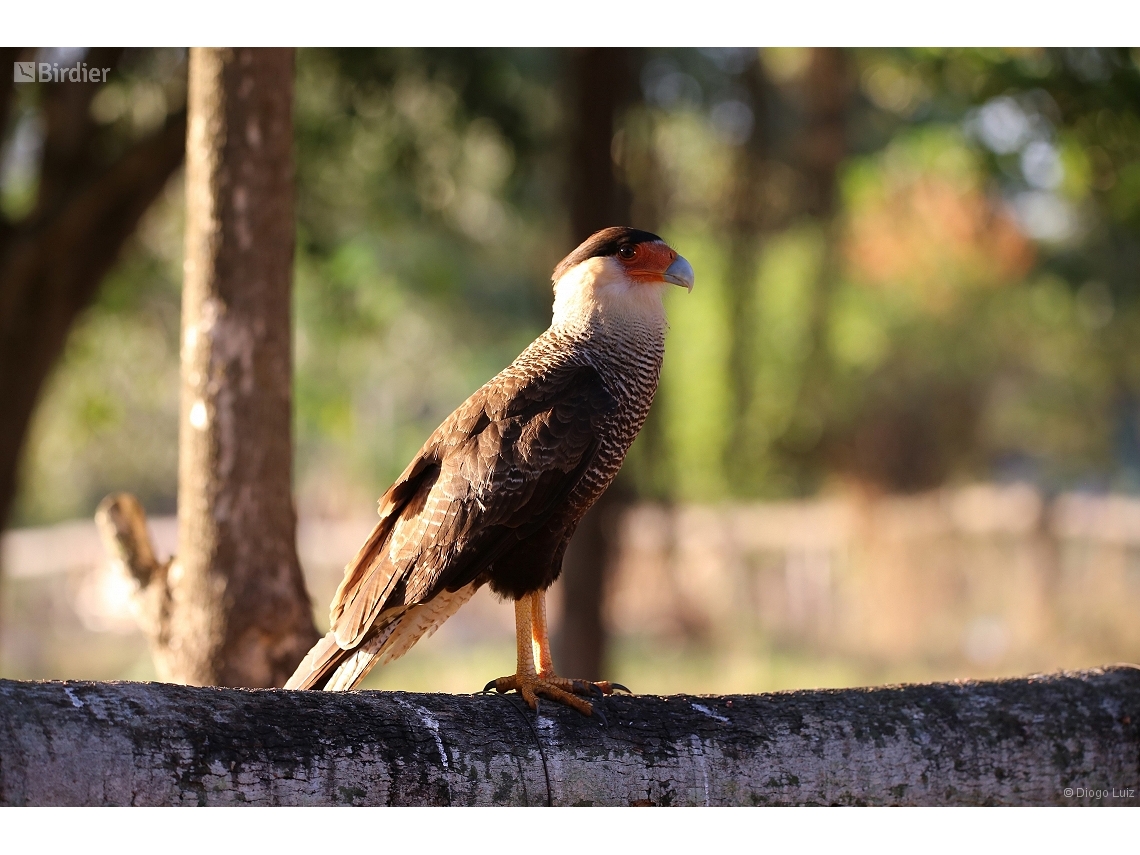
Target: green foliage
x=971 y=310
x=427 y=227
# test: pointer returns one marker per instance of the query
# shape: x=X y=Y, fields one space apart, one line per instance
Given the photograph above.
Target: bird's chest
x=632 y=381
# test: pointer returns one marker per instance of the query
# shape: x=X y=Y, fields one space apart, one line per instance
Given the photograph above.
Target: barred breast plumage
x=496 y=492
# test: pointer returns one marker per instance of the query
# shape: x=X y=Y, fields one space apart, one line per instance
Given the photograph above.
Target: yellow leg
x=524 y=637
x=532 y=642
x=539 y=636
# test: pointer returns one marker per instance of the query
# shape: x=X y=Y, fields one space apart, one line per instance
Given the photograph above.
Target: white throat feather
x=597 y=294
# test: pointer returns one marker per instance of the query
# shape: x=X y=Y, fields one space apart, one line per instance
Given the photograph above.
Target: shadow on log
x=1013 y=742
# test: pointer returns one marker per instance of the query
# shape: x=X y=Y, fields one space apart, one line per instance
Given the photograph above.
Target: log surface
x=1014 y=742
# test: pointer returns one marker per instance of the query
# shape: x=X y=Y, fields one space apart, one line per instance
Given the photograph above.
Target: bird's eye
x=627 y=252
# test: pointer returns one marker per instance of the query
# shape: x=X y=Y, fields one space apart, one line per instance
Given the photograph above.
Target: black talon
x=490 y=686
x=585 y=687
x=620 y=686
x=601 y=715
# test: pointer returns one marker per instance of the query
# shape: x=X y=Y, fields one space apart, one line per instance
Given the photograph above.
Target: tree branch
x=121 y=521
x=1047 y=740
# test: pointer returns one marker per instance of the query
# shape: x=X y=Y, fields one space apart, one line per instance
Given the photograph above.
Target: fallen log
x=1061 y=739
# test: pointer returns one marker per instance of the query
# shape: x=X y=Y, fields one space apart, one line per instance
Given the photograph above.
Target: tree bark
x=232 y=609
x=601 y=84
x=1064 y=739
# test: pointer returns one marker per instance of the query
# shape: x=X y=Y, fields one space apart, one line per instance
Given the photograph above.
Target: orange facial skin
x=648 y=262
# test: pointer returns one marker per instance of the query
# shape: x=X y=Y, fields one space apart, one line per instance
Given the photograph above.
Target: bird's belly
x=536 y=563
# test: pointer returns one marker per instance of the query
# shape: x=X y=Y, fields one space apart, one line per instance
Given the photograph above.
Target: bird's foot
x=596 y=688
x=561 y=689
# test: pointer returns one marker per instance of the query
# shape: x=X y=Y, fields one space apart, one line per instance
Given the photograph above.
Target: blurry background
x=898 y=430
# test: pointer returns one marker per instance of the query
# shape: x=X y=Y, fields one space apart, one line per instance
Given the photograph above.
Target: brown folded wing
x=488 y=478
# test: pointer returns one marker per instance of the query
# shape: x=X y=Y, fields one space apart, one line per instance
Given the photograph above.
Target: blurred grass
x=645 y=668
x=656 y=669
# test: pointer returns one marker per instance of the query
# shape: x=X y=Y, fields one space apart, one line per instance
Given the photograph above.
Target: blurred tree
x=749 y=215
x=1060 y=129
x=600 y=86
x=823 y=146
x=231 y=608
x=1004 y=174
x=63 y=224
x=236 y=610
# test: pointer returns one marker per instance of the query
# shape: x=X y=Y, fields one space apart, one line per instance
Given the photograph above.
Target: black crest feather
x=603 y=243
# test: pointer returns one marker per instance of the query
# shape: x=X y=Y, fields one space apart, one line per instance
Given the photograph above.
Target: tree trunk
x=827 y=97
x=745 y=223
x=580 y=646
x=601 y=85
x=1065 y=739
x=827 y=100
x=231 y=609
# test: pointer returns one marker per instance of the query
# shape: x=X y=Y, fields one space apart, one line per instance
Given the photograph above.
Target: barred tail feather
x=359 y=662
x=325 y=654
x=423 y=620
x=330 y=667
x=328 y=658
x=397 y=638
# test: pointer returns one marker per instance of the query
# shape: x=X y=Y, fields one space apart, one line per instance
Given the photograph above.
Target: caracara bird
x=496 y=492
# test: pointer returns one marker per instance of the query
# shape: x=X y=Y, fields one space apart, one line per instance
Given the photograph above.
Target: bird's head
x=618 y=273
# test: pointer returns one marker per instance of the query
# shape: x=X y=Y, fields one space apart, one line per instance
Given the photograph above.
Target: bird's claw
x=585 y=687
x=600 y=689
x=531 y=686
x=560 y=689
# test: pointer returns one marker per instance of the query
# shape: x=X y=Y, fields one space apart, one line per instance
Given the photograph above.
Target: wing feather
x=490 y=476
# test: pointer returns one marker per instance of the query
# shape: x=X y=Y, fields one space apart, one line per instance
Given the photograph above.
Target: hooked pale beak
x=680 y=272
